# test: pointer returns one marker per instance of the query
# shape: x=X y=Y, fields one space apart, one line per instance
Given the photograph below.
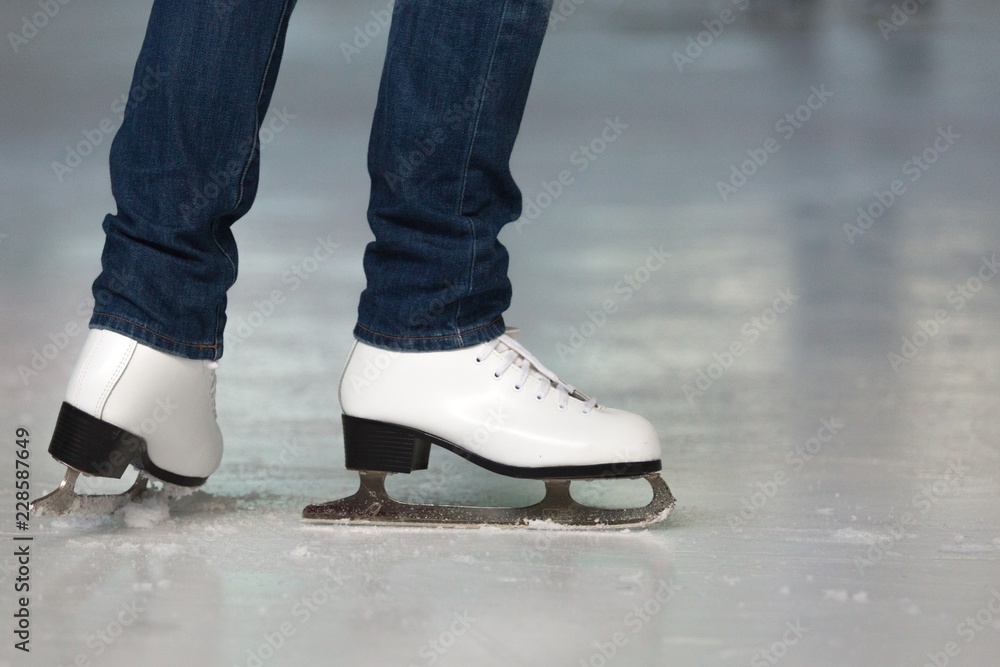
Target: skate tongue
x=513 y=332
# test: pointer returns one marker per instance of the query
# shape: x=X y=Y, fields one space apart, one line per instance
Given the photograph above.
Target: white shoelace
x=516 y=355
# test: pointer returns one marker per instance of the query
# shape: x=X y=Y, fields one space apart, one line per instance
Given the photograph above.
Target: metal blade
x=65 y=500
x=372 y=505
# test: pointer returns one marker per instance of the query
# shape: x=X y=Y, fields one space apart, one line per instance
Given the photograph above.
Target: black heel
x=92 y=446
x=377 y=446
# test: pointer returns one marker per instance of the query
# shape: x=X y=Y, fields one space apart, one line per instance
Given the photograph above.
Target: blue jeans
x=184 y=169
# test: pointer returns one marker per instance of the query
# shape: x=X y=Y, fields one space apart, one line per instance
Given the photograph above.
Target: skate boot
x=497 y=406
x=129 y=404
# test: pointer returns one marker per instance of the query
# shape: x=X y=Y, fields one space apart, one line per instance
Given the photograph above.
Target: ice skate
x=128 y=404
x=497 y=406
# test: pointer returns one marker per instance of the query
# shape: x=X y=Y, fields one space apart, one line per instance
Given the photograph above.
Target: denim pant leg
x=453 y=90
x=184 y=168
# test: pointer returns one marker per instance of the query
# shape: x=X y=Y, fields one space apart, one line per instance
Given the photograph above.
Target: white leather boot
x=128 y=403
x=493 y=404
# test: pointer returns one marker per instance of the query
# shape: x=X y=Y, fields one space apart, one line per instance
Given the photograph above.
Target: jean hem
x=440 y=343
x=146 y=336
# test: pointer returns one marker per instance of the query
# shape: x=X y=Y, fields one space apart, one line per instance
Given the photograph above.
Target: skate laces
x=516 y=355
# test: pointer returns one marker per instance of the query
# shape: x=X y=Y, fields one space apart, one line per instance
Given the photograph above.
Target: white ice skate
x=128 y=404
x=497 y=406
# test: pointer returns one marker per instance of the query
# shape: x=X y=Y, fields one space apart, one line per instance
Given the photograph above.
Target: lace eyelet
x=562 y=407
x=497 y=375
x=539 y=398
x=479 y=360
x=585 y=412
x=518 y=387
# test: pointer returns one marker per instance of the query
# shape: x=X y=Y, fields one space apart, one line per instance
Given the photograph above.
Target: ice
x=74 y=523
x=854 y=536
x=838 y=595
x=970 y=548
x=146 y=514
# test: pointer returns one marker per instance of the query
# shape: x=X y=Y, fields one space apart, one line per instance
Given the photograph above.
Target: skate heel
x=378 y=446
x=92 y=446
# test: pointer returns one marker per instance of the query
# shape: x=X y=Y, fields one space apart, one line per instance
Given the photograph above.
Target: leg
x=453 y=90
x=184 y=168
x=432 y=364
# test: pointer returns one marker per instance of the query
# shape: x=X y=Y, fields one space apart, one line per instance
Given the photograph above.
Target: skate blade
x=65 y=500
x=372 y=505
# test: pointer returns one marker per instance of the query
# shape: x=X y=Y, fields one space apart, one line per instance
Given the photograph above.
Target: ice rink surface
x=803 y=204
